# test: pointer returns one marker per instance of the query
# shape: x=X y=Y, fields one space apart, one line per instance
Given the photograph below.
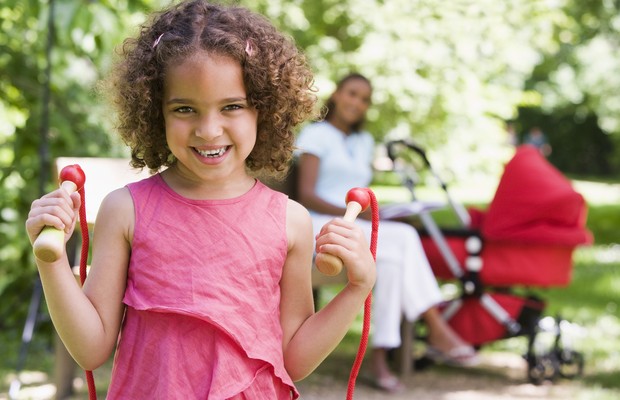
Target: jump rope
x=49 y=247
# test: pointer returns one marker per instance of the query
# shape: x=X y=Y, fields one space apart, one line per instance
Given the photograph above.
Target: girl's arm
x=310 y=337
x=88 y=320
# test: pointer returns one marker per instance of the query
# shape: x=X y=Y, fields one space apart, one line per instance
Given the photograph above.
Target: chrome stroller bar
x=500 y=314
x=439 y=239
x=409 y=179
x=392 y=146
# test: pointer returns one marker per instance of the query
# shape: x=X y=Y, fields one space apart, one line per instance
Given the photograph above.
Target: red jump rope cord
x=92 y=392
x=367 y=304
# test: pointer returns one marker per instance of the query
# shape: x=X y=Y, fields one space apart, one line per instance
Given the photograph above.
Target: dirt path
x=501 y=376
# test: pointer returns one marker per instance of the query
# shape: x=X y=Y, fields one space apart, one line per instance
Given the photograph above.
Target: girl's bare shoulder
x=117 y=209
x=298 y=223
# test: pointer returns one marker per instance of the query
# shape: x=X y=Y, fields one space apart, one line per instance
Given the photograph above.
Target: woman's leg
x=405 y=283
x=406 y=287
x=444 y=344
x=382 y=376
x=441 y=335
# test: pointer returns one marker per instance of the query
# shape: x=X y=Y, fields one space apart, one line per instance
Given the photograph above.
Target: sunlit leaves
x=446 y=73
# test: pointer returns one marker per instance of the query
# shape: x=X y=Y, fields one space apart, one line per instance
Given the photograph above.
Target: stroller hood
x=535 y=203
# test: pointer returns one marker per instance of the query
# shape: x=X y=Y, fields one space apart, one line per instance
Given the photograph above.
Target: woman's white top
x=346 y=160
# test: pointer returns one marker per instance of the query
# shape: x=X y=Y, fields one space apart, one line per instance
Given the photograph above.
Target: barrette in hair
x=157 y=40
x=249 y=49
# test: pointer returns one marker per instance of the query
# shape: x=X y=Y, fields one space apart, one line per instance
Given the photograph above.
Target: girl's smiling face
x=210 y=126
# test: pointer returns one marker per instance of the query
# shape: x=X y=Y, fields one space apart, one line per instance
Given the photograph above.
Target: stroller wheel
x=571 y=364
x=545 y=368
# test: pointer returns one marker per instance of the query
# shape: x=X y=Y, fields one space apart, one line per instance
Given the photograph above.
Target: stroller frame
x=560 y=361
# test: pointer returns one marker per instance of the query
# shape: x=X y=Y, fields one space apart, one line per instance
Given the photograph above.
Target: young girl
x=335 y=154
x=203 y=270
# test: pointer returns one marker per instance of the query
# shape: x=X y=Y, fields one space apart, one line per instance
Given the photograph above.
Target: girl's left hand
x=347 y=241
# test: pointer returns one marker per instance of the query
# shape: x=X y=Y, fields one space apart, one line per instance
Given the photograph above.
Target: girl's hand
x=347 y=241
x=58 y=209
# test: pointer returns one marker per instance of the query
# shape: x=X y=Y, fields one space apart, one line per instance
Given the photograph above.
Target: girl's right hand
x=58 y=209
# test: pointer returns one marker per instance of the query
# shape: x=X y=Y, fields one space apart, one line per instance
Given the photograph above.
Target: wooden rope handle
x=357 y=200
x=49 y=245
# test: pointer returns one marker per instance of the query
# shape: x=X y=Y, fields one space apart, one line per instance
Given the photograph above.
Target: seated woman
x=335 y=155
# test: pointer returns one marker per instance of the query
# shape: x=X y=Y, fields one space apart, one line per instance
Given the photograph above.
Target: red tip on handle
x=359 y=195
x=73 y=173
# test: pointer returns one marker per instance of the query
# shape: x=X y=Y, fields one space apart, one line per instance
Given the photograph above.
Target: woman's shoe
x=461 y=356
x=389 y=384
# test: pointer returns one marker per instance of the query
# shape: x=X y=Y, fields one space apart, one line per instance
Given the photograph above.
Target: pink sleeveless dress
x=202 y=318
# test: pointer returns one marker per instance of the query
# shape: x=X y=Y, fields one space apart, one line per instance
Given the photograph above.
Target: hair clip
x=157 y=40
x=249 y=50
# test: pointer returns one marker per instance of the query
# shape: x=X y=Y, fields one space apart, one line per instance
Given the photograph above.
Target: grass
x=590 y=302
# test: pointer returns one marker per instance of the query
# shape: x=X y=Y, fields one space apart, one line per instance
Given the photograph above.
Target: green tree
x=578 y=87
x=83 y=35
x=446 y=74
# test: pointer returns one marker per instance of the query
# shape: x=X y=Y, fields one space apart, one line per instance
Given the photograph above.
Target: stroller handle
x=391 y=145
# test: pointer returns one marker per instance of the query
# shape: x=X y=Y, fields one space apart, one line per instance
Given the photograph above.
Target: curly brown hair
x=277 y=78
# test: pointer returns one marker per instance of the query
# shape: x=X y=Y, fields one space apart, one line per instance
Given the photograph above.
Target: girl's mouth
x=212 y=153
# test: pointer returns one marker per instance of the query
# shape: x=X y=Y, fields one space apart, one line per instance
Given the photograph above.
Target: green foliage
x=579 y=89
x=76 y=120
x=445 y=73
x=442 y=72
x=579 y=146
x=603 y=221
x=449 y=73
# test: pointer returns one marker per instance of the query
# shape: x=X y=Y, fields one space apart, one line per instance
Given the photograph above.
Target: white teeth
x=212 y=153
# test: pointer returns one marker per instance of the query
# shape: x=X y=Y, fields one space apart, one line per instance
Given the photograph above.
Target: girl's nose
x=209 y=126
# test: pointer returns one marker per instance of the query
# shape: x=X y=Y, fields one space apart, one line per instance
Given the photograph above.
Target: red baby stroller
x=524 y=239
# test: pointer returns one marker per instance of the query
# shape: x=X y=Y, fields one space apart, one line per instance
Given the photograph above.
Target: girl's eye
x=183 y=109
x=232 y=107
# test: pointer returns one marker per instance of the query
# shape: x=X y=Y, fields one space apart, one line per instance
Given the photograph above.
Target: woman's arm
x=88 y=320
x=307 y=174
x=310 y=337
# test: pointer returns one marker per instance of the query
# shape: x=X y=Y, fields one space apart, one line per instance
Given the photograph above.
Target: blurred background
x=466 y=79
